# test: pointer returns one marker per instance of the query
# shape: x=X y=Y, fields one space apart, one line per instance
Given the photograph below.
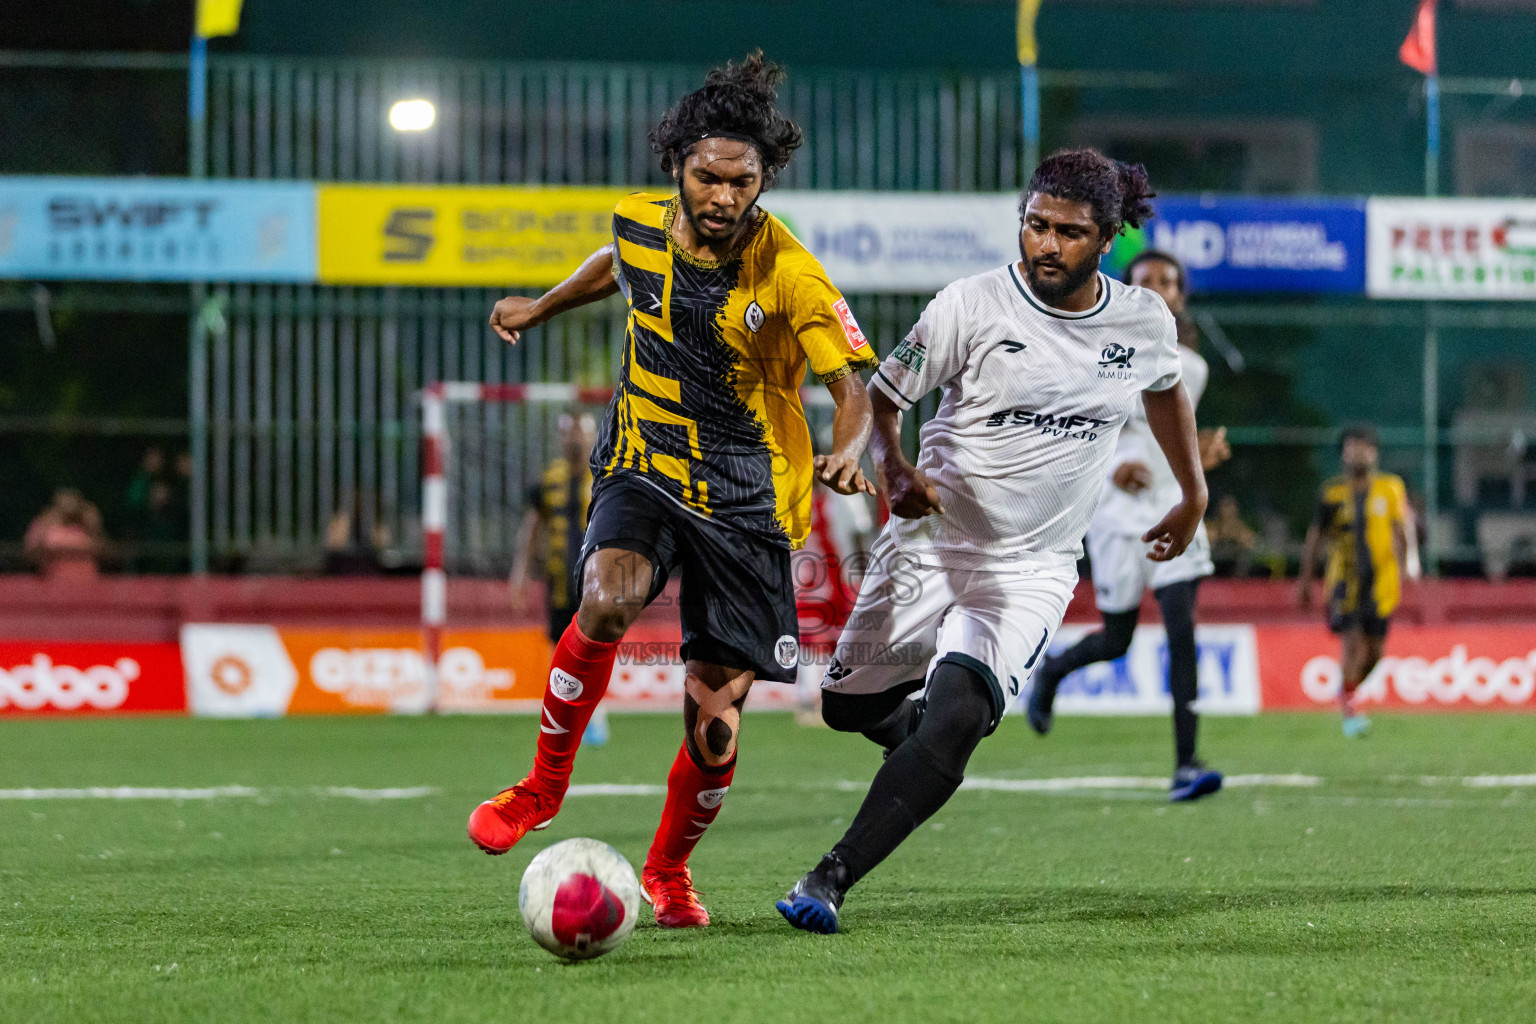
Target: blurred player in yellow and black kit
x=1363 y=518
x=704 y=464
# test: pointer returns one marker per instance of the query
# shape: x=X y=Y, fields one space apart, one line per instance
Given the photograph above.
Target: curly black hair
x=1147 y=256
x=1360 y=432
x=1117 y=192
x=738 y=101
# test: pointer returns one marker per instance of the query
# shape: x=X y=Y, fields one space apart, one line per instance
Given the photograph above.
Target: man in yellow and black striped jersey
x=1362 y=516
x=704 y=464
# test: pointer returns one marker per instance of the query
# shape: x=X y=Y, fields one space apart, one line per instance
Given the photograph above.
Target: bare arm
x=908 y=490
x=530 y=537
x=593 y=280
x=839 y=469
x=1172 y=419
x=1309 y=549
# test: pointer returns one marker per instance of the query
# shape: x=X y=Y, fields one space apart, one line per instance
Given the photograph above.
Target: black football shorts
x=737 y=598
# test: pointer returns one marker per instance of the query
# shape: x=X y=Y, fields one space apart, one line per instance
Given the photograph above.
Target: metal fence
x=301 y=397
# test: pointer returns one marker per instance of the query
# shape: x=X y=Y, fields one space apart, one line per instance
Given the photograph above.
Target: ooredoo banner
x=70 y=678
x=1479 y=668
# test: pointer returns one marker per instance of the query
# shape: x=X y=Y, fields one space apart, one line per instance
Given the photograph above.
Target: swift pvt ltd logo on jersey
x=1075 y=426
x=1115 y=362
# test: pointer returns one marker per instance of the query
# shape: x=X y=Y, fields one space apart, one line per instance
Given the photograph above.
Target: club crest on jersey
x=787 y=651
x=856 y=339
x=564 y=685
x=754 y=317
x=1115 y=361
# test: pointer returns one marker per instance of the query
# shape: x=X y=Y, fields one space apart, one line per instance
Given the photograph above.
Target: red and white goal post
x=436 y=454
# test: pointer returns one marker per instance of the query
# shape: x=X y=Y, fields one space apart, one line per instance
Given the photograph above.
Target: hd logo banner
x=156 y=229
x=458 y=236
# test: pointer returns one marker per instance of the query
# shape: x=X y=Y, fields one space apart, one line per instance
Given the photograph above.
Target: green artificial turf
x=1375 y=894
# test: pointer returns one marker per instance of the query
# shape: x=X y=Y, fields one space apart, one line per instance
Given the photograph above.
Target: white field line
x=615 y=789
x=397 y=793
x=1064 y=784
x=129 y=793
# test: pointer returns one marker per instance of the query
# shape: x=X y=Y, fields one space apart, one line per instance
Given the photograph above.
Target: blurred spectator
x=350 y=548
x=1232 y=540
x=149 y=525
x=555 y=524
x=66 y=538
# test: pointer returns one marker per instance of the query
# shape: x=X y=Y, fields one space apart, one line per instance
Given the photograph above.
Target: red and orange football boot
x=671 y=893
x=497 y=825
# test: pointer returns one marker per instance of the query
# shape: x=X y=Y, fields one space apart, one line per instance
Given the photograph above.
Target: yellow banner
x=459 y=235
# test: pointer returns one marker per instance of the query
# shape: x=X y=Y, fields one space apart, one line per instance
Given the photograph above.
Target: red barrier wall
x=152 y=609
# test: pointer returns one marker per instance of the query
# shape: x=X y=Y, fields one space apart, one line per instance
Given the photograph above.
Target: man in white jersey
x=1141 y=487
x=1040 y=363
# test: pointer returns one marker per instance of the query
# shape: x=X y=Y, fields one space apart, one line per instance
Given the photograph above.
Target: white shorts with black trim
x=1122 y=571
x=911 y=617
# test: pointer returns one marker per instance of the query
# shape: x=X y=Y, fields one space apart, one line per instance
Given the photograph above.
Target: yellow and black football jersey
x=708 y=402
x=562 y=498
x=1358 y=526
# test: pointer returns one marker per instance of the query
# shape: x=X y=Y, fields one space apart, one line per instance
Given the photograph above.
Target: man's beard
x=1052 y=293
x=702 y=231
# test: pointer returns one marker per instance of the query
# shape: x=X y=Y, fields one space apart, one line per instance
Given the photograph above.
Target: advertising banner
x=251 y=671
x=90 y=679
x=1452 y=249
x=901 y=242
x=1137 y=684
x=449 y=235
x=156 y=229
x=1465 y=668
x=1245 y=244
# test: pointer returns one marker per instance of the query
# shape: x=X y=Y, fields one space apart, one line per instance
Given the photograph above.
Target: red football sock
x=578 y=678
x=694 y=795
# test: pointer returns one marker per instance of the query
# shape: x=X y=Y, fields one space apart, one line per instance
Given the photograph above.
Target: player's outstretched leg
x=1191 y=778
x=578 y=678
x=696 y=787
x=1107 y=644
x=915 y=781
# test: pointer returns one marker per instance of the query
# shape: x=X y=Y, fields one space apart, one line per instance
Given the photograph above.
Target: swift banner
x=1467 y=668
x=1241 y=244
x=1452 y=249
x=509 y=237
x=156 y=230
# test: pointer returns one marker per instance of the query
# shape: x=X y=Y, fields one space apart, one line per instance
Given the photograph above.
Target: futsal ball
x=579 y=898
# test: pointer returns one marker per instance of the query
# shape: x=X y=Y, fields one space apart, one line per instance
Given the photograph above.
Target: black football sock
x=1106 y=644
x=1178 y=604
x=923 y=772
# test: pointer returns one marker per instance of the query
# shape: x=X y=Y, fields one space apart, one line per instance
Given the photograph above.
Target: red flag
x=1418 y=50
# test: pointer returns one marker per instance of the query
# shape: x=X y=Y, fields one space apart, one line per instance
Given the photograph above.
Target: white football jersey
x=1032 y=401
x=1122 y=512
